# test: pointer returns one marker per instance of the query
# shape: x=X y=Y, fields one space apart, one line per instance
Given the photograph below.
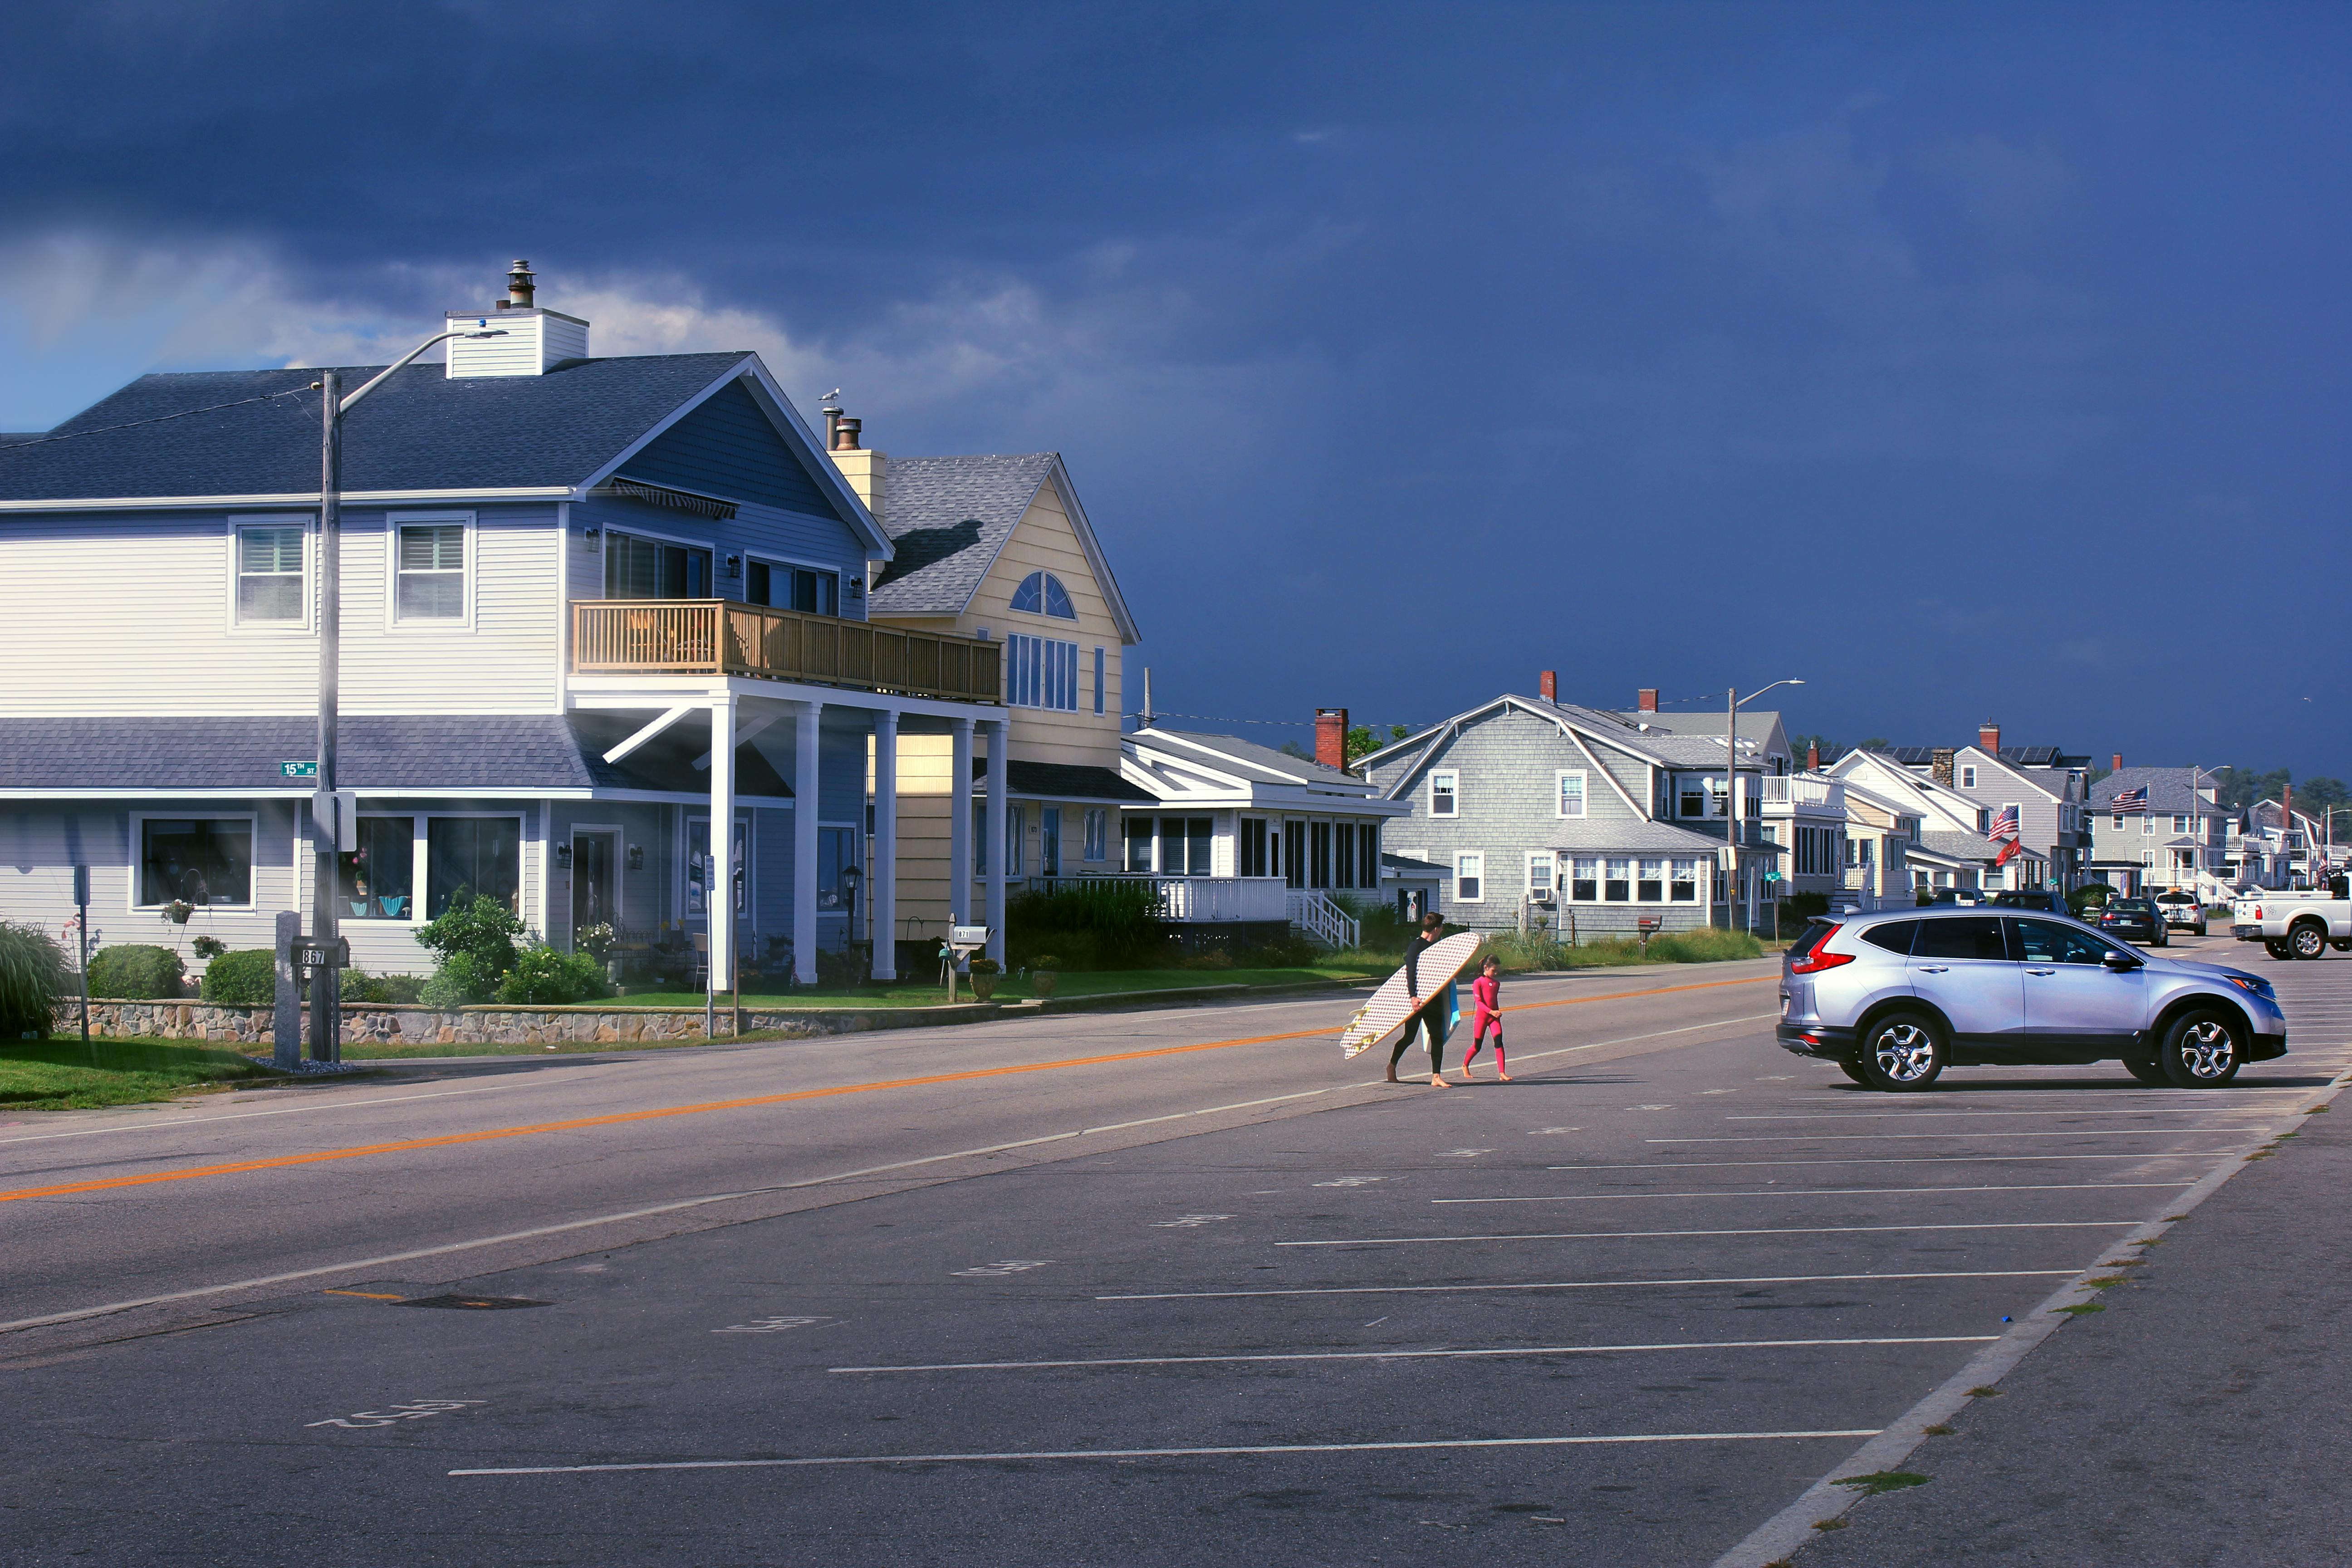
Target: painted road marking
x=1901 y=1160
x=1590 y=1284
x=624 y=1118
x=1010 y=1265
x=1173 y=1453
x=1352 y=1182
x=366 y=1294
x=413 y=1410
x=1913 y=1137
x=771 y=1325
x=1818 y=1192
x=1184 y=1221
x=1420 y=1355
x=1790 y=1230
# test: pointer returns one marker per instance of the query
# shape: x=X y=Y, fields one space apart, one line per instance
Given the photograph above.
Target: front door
x=595 y=897
x=1294 y=854
x=2072 y=997
x=1963 y=966
x=1049 y=841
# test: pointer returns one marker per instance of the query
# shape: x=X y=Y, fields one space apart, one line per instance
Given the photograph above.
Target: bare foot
x=1503 y=1077
x=1437 y=1081
x=1392 y=1077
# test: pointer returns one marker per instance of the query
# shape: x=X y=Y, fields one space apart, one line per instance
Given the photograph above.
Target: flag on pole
x=2132 y=799
x=2003 y=832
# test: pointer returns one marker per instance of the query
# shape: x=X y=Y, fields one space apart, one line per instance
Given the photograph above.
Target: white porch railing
x=1197 y=900
x=1322 y=920
x=1817 y=790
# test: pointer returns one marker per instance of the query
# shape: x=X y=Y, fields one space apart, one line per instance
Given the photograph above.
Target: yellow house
x=999 y=547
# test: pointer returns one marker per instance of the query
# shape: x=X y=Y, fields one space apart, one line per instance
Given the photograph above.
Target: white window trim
x=1584 y=791
x=415 y=916
x=1072 y=619
x=1967 y=778
x=524 y=845
x=1044 y=647
x=252 y=905
x=309 y=523
x=1434 y=775
x=1549 y=858
x=856 y=840
x=473 y=558
x=1480 y=855
x=685 y=835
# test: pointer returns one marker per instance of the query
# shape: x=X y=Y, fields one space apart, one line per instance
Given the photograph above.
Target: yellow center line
x=454 y=1140
x=364 y=1295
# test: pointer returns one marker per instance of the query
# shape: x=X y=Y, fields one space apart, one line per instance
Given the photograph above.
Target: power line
x=158 y=419
x=1214 y=719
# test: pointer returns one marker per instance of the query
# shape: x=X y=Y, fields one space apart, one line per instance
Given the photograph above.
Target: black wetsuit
x=1426 y=1019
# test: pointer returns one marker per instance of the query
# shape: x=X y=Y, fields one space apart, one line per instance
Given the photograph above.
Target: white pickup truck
x=2296 y=924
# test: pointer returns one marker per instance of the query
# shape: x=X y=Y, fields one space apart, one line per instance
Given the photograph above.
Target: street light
x=326 y=844
x=1732 y=702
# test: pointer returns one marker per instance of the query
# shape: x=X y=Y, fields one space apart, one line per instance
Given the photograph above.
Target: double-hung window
x=1569 y=794
x=1469 y=878
x=429 y=572
x=1041 y=672
x=1446 y=793
x=1967 y=778
x=1652 y=886
x=1098 y=847
x=1138 y=844
x=1539 y=872
x=1617 y=887
x=270 y=581
x=1584 y=883
x=1684 y=886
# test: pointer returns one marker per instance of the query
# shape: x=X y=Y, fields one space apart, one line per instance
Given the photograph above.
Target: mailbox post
x=961 y=944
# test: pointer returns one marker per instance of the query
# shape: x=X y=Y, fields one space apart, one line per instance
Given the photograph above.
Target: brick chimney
x=1989 y=737
x=1814 y=757
x=1646 y=699
x=1331 y=737
x=865 y=470
x=2118 y=761
x=1940 y=765
x=1547 y=685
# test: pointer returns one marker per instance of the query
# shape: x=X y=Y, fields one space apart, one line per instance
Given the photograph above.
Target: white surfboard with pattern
x=1391 y=1004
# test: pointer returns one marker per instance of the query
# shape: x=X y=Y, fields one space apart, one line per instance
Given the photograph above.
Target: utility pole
x=326 y=987
x=1731 y=901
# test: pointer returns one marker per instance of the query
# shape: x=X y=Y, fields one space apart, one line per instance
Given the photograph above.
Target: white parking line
x=1789 y=1230
x=1174 y=1452
x=1901 y=1160
x=1894 y=1137
x=1817 y=1193
x=1419 y=1355
x=1589 y=1284
x=1926 y=1115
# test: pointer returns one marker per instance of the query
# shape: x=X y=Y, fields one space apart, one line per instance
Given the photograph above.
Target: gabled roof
x=1761 y=722
x=950 y=518
x=1965 y=846
x=2169 y=791
x=1653 y=746
x=2016 y=756
x=1250 y=760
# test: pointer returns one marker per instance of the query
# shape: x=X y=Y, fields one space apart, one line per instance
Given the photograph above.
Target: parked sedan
x=2031 y=898
x=2182 y=910
x=2135 y=920
x=1894 y=998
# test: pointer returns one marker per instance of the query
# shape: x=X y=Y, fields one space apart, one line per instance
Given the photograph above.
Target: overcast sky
x=1968 y=362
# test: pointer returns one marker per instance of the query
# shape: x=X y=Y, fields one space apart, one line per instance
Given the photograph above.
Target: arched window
x=1042 y=593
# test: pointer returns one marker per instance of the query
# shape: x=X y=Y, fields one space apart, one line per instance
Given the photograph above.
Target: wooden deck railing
x=720 y=636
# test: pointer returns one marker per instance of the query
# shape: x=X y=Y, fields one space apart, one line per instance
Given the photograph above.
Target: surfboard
x=1391 y=1005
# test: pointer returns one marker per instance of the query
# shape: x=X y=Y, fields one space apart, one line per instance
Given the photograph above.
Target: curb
x=1786 y=1534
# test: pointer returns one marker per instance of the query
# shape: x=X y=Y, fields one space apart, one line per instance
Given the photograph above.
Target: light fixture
x=636 y=857
x=734 y=566
x=563 y=856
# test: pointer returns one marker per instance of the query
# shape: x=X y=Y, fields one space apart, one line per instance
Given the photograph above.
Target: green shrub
x=481 y=928
x=133 y=972
x=1121 y=917
x=545 y=977
x=247 y=977
x=398 y=990
x=2089 y=895
x=33 y=975
x=849 y=968
x=1708 y=944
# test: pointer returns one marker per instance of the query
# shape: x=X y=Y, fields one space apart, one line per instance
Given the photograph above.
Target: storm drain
x=471 y=1303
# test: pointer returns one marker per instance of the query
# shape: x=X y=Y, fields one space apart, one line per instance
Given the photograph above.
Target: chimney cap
x=520 y=284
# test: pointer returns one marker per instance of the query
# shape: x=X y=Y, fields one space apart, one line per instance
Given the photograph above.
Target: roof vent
x=530 y=341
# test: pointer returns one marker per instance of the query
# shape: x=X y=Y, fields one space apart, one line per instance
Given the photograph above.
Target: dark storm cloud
x=1951 y=359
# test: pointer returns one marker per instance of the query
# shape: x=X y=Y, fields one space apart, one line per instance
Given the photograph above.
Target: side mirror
x=2121 y=962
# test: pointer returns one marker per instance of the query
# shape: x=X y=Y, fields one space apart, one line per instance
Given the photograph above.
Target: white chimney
x=533 y=339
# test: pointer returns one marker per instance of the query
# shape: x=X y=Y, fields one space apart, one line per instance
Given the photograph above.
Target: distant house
x=2178 y=835
x=2045 y=784
x=1947 y=847
x=1605 y=819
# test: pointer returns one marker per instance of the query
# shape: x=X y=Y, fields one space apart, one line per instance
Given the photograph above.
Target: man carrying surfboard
x=1432 y=926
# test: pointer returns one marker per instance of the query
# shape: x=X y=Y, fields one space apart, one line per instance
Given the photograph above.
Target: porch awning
x=1068 y=782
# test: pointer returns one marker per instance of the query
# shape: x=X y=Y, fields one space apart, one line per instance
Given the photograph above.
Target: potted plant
x=984 y=972
x=1044 y=973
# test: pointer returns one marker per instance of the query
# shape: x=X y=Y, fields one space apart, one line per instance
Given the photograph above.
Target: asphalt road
x=1627 y=1306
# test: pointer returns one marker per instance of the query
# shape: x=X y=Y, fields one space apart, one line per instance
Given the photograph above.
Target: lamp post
x=326 y=837
x=1732 y=702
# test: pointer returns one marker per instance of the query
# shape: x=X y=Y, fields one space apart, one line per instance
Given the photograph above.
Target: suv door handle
x=1933 y=968
x=2040 y=971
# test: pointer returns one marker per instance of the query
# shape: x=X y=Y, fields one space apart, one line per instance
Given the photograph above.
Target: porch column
x=719 y=893
x=805 y=790
x=960 y=825
x=999 y=857
x=882 y=877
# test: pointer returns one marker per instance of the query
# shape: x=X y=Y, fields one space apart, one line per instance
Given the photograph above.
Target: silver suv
x=1895 y=999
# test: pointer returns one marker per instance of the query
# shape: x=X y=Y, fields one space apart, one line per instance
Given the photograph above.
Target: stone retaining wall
x=375 y=1023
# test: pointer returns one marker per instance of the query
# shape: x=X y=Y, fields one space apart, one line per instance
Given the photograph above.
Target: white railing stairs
x=1324 y=922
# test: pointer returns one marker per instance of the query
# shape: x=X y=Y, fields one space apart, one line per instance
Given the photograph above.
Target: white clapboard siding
x=116 y=614
x=534 y=340
x=1044 y=540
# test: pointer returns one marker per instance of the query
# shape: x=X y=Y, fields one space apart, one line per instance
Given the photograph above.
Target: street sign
x=1771 y=876
x=298 y=770
x=335 y=955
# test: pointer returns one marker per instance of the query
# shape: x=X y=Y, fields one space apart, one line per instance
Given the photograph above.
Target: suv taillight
x=1820 y=957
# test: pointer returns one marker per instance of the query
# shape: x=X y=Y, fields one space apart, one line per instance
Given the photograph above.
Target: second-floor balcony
x=1809 y=793
x=724 y=637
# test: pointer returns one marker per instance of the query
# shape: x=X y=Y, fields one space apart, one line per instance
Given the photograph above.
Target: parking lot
x=1625 y=1310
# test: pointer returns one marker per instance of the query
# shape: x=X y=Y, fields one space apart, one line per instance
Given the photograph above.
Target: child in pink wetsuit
x=1486 y=1002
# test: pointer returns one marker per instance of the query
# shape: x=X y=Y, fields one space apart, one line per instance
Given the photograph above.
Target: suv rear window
x=1895 y=936
x=1809 y=939
x=1970 y=936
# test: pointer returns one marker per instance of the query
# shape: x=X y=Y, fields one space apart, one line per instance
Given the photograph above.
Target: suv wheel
x=2308 y=939
x=1904 y=1051
x=2200 y=1050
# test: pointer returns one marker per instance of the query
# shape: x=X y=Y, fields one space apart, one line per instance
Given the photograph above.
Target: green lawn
x=59 y=1075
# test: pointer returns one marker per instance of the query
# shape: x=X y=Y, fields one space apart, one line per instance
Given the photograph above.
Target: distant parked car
x=1966 y=897
x=2032 y=898
x=2182 y=910
x=2133 y=920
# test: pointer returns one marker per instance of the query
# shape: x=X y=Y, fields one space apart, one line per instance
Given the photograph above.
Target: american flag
x=2003 y=832
x=2132 y=799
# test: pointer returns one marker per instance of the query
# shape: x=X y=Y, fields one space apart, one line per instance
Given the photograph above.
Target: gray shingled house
x=1602 y=822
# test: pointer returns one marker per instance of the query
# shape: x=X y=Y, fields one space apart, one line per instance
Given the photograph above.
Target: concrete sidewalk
x=2200 y=1419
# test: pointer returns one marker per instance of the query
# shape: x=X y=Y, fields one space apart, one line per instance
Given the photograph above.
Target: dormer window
x=1042 y=593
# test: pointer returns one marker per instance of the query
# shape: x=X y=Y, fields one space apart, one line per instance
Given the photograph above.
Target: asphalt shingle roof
x=419 y=431
x=422 y=755
x=2168 y=790
x=1600 y=837
x=1061 y=781
x=1960 y=846
x=948 y=518
x=1275 y=765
